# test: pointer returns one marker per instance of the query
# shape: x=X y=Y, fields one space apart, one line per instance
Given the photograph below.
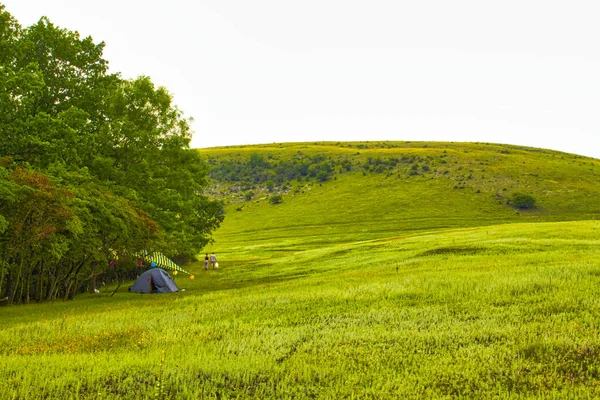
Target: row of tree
x=256 y=169
x=93 y=167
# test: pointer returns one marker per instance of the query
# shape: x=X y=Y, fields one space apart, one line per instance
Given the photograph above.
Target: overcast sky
x=262 y=71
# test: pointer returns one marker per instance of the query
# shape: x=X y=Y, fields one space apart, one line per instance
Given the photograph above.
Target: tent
x=155 y=280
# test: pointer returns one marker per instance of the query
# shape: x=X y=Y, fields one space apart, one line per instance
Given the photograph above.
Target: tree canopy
x=93 y=167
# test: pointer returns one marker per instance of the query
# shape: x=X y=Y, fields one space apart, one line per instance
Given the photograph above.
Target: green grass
x=468 y=185
x=499 y=311
x=371 y=286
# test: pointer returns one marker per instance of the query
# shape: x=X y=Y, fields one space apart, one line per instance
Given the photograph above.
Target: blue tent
x=155 y=280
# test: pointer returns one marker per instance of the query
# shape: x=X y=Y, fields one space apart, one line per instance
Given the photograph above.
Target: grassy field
x=467 y=184
x=366 y=286
x=488 y=312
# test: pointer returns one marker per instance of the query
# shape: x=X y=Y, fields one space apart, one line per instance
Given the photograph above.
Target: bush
x=248 y=195
x=322 y=176
x=523 y=201
x=276 y=199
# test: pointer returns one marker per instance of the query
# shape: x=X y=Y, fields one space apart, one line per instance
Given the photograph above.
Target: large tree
x=112 y=156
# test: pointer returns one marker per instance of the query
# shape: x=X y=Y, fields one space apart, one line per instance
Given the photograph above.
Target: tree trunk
x=53 y=281
x=21 y=285
x=117 y=288
x=2 y=270
x=68 y=285
x=40 y=295
x=9 y=287
x=28 y=287
x=93 y=283
x=17 y=280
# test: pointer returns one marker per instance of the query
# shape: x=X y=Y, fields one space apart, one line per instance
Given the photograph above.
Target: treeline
x=256 y=169
x=410 y=164
x=93 y=168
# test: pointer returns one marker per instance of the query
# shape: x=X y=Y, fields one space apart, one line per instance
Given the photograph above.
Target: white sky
x=513 y=71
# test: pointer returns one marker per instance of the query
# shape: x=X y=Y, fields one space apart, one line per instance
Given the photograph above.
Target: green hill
x=384 y=189
x=372 y=278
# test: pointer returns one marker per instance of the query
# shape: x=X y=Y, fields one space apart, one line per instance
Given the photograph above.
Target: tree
x=54 y=86
x=276 y=199
x=39 y=219
x=523 y=201
x=92 y=166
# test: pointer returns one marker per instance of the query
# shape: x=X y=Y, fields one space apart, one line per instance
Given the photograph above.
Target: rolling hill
x=371 y=270
x=385 y=189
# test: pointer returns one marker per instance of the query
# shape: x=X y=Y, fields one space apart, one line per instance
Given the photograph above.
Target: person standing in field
x=213 y=260
x=206 y=261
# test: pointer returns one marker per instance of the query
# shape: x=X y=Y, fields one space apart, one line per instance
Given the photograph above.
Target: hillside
x=370 y=279
x=384 y=189
x=506 y=311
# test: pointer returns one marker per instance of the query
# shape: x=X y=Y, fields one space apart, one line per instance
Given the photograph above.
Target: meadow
x=369 y=285
x=504 y=311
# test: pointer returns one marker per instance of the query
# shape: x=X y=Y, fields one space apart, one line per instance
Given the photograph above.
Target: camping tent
x=155 y=280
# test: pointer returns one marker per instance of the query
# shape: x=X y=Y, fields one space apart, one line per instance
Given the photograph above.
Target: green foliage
x=94 y=167
x=255 y=169
x=270 y=184
x=523 y=201
x=80 y=222
x=322 y=176
x=276 y=199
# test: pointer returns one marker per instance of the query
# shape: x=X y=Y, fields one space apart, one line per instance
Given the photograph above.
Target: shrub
x=276 y=199
x=248 y=195
x=523 y=201
x=322 y=176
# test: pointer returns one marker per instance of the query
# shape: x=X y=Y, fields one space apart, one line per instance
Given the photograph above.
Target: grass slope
x=484 y=312
x=389 y=287
x=467 y=184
